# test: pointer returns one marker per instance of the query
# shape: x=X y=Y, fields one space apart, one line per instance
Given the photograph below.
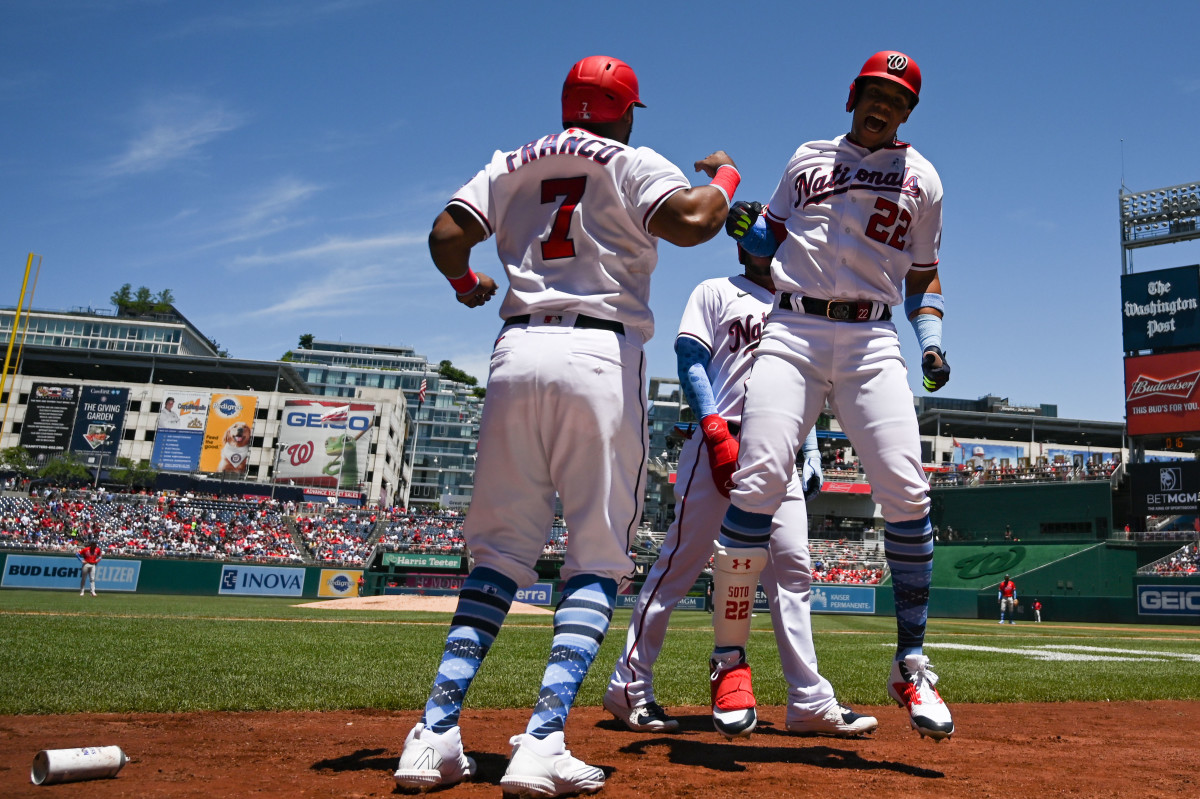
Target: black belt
x=837 y=310
x=580 y=321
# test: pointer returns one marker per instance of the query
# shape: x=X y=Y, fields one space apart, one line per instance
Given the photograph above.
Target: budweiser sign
x=1180 y=386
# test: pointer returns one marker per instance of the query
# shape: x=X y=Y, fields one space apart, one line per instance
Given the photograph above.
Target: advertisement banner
x=1168 y=600
x=537 y=594
x=843 y=599
x=48 y=417
x=416 y=561
x=339 y=582
x=1161 y=309
x=1165 y=489
x=1160 y=393
x=322 y=443
x=227 y=433
x=179 y=434
x=62 y=573
x=100 y=421
x=261 y=581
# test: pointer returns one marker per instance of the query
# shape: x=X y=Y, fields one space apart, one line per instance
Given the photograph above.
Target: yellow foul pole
x=16 y=324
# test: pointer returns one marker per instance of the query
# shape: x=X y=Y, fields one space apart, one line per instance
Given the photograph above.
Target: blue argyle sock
x=483 y=603
x=908 y=547
x=580 y=622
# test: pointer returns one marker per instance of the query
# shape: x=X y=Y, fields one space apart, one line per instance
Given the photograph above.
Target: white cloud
x=167 y=131
x=337 y=247
x=333 y=293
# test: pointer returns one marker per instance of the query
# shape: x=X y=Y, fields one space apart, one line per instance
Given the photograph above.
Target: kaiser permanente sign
x=1161 y=309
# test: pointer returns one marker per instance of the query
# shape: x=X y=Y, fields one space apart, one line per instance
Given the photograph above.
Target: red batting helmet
x=889 y=65
x=599 y=89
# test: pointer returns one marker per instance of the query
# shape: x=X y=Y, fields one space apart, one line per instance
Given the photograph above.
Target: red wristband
x=727 y=182
x=464 y=283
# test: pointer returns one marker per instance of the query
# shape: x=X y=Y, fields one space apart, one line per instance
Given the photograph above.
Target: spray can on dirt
x=51 y=766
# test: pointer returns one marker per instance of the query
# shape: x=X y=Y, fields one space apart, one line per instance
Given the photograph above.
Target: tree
x=306 y=341
x=128 y=474
x=65 y=469
x=16 y=459
x=163 y=301
x=447 y=370
x=122 y=297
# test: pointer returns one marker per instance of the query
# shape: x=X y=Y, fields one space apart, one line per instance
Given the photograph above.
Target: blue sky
x=277 y=165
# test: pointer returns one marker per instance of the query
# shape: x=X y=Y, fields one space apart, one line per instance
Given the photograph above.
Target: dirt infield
x=1004 y=751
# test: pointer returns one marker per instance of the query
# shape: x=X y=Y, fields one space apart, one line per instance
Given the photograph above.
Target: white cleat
x=911 y=684
x=432 y=761
x=545 y=768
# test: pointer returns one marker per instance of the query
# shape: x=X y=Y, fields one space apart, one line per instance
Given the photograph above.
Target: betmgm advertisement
x=1165 y=489
x=227 y=435
x=179 y=434
x=325 y=444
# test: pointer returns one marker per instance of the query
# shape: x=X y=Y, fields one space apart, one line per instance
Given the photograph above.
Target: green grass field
x=137 y=653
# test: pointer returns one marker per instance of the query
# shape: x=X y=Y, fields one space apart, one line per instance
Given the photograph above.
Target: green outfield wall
x=1080 y=510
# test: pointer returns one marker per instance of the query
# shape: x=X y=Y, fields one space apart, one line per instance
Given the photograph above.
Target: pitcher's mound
x=433 y=604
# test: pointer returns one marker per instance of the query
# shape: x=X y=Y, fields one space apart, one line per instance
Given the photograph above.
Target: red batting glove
x=722 y=451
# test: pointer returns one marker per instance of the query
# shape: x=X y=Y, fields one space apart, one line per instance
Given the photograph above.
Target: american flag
x=421 y=391
x=341 y=414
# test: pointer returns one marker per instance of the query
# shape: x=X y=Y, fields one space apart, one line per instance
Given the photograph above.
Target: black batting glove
x=742 y=216
x=935 y=369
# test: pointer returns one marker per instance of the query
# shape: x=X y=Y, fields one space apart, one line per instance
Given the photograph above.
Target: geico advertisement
x=339 y=583
x=41 y=571
x=261 y=581
x=325 y=443
x=1169 y=600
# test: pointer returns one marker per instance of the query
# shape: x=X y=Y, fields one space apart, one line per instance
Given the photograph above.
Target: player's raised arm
x=695 y=215
x=454 y=233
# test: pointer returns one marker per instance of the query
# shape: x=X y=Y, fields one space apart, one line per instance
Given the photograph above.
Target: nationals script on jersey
x=570 y=213
x=727 y=316
x=849 y=212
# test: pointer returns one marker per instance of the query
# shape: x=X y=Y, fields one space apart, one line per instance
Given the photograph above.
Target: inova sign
x=261 y=581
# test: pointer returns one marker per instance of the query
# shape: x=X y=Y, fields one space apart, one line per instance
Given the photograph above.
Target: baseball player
x=577 y=217
x=1037 y=610
x=854 y=225
x=1006 y=595
x=89 y=556
x=720 y=330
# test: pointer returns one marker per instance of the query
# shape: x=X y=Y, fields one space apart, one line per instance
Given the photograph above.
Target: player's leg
x=593 y=429
x=505 y=528
x=83 y=573
x=787 y=580
x=684 y=553
x=784 y=395
x=874 y=404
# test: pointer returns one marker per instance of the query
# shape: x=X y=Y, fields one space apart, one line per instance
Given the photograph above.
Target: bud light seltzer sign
x=1161 y=395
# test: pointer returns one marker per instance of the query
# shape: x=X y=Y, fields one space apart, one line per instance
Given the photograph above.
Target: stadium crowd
x=1183 y=563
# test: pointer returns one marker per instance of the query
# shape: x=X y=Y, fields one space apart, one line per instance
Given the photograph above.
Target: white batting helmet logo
x=897 y=62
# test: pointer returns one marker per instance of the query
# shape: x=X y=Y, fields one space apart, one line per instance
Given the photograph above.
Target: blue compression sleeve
x=810 y=442
x=929 y=330
x=759 y=239
x=692 y=363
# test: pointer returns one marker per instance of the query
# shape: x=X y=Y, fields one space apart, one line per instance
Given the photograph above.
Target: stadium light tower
x=1159 y=216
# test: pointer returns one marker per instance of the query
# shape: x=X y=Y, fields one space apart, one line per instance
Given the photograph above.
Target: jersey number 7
x=557 y=243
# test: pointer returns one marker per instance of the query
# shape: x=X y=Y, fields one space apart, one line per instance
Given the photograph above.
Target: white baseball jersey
x=727 y=316
x=570 y=212
x=857 y=220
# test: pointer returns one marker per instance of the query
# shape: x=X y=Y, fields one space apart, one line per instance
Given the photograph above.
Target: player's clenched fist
x=935 y=369
x=742 y=216
x=722 y=451
x=483 y=291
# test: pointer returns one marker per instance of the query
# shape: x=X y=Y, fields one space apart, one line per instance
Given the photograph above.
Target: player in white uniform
x=577 y=217
x=854 y=224
x=718 y=334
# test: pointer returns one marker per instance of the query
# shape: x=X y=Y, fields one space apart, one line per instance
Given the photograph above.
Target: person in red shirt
x=1007 y=596
x=1037 y=610
x=89 y=556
